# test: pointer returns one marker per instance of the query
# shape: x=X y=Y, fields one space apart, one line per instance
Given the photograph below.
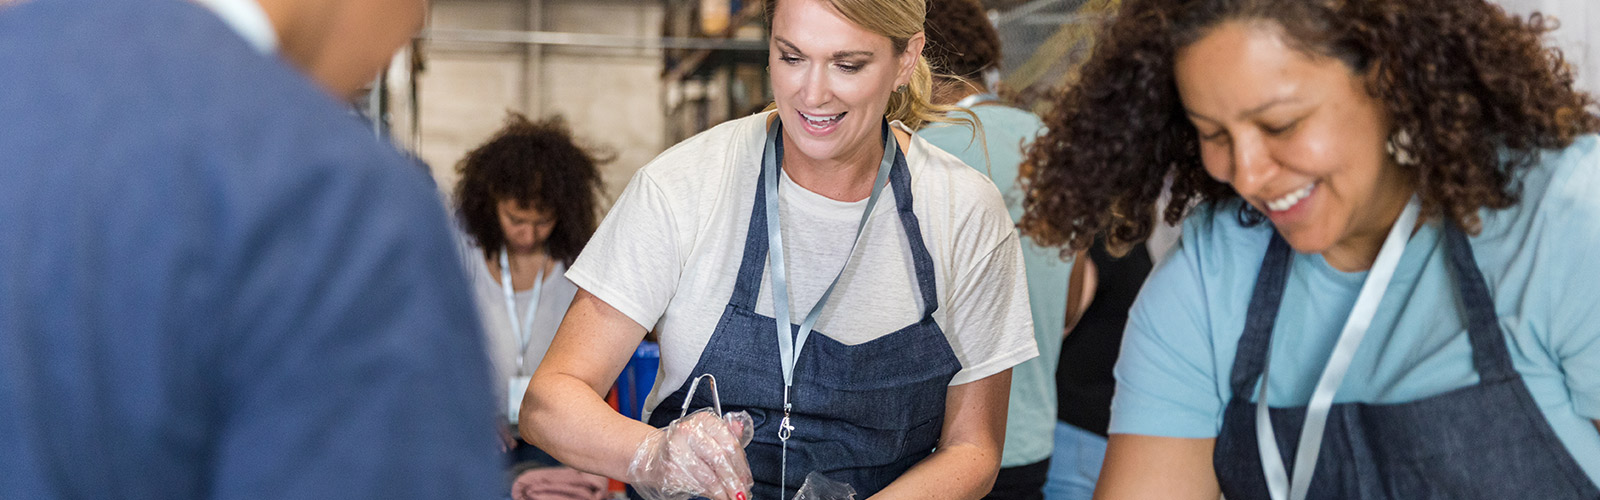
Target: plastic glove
x=819 y=487
x=700 y=454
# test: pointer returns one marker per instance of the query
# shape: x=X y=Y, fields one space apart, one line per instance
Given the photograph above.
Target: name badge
x=515 y=388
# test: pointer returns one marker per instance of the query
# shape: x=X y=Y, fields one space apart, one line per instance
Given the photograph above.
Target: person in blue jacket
x=214 y=282
x=1387 y=288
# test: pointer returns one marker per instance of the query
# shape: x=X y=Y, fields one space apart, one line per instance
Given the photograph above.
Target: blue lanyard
x=789 y=348
x=524 y=329
x=1279 y=486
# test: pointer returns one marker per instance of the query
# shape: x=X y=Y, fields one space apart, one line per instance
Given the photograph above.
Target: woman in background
x=964 y=50
x=528 y=201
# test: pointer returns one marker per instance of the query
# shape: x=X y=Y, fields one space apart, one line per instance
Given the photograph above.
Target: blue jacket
x=214 y=283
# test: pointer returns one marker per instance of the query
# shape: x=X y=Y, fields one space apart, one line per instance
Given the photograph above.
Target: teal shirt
x=1539 y=260
x=1031 y=419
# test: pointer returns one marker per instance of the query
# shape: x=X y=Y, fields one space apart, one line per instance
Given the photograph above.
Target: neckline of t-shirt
x=1416 y=252
x=816 y=205
x=549 y=279
x=557 y=271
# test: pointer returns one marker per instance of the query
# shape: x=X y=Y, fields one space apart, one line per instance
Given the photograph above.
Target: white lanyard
x=976 y=99
x=1344 y=351
x=524 y=329
x=789 y=349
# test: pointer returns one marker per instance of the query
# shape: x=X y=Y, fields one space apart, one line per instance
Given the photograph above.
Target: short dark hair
x=1475 y=89
x=539 y=165
x=962 y=41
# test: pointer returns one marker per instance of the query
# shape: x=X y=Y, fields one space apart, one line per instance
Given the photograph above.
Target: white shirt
x=248 y=19
x=668 y=252
x=554 y=297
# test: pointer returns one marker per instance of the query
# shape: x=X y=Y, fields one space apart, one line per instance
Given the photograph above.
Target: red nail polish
x=738 y=496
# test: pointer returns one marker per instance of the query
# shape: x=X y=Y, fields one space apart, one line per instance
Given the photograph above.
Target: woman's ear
x=909 y=58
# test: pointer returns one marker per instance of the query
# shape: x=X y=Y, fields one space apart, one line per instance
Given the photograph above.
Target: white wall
x=610 y=97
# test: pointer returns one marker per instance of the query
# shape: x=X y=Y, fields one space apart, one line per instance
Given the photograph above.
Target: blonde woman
x=898 y=276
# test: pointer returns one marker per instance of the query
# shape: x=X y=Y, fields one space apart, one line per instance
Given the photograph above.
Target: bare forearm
x=1157 y=468
x=951 y=472
x=968 y=456
x=563 y=412
x=565 y=417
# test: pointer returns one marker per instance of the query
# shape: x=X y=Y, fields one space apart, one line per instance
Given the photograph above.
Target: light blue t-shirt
x=1031 y=419
x=1540 y=260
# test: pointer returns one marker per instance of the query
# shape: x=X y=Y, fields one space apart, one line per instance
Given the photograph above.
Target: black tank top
x=1083 y=378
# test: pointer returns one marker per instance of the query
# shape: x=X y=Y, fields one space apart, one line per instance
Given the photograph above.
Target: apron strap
x=747 y=284
x=1262 y=314
x=900 y=181
x=1489 y=354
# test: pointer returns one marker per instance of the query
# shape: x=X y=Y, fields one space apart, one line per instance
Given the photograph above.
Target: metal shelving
x=724 y=79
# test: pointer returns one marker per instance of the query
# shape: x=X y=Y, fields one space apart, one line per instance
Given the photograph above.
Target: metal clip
x=716 y=401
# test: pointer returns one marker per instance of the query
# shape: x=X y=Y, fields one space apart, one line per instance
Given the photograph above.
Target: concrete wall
x=610 y=97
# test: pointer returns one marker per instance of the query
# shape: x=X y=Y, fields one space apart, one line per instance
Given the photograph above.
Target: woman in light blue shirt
x=1394 y=215
x=964 y=49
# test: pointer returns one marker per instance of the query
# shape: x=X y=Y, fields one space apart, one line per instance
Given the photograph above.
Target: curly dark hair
x=539 y=165
x=1475 y=90
x=961 y=40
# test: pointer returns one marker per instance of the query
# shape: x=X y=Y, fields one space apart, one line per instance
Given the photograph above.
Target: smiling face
x=832 y=80
x=1297 y=136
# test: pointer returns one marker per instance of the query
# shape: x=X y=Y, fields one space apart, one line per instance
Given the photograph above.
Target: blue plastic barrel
x=637 y=378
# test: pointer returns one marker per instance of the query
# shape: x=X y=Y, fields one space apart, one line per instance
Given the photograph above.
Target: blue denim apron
x=1484 y=441
x=862 y=414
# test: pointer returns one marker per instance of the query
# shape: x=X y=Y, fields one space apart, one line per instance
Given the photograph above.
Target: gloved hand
x=819 y=487
x=700 y=454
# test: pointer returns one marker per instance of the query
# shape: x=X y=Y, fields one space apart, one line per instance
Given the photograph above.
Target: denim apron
x=862 y=414
x=1484 y=441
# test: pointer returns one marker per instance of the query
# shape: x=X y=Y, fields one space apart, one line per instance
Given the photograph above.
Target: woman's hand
x=701 y=454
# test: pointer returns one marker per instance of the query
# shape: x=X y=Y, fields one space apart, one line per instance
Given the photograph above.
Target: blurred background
x=635 y=76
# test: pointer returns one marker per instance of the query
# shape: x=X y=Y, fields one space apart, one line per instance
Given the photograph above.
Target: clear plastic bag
x=819 y=487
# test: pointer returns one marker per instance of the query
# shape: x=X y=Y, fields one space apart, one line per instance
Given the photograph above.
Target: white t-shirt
x=554 y=298
x=668 y=252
